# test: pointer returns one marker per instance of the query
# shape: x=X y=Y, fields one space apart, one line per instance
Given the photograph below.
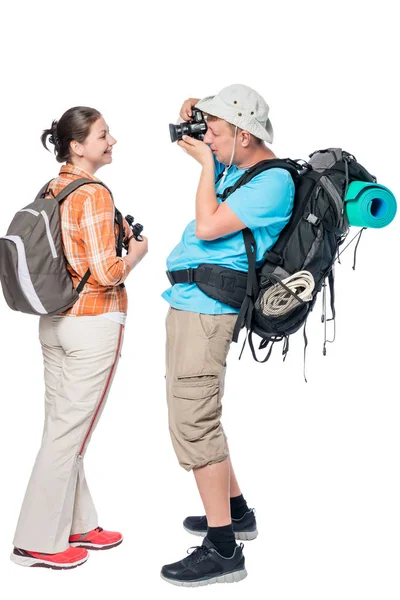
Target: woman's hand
x=127 y=229
x=138 y=249
x=196 y=148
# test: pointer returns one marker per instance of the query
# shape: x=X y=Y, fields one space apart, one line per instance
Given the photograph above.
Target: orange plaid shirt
x=89 y=238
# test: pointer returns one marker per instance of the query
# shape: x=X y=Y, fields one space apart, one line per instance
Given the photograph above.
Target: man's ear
x=246 y=138
x=76 y=148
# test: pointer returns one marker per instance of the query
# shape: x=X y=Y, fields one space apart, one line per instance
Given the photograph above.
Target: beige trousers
x=196 y=351
x=80 y=359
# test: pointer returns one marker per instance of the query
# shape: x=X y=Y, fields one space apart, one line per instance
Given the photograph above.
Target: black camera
x=196 y=128
x=136 y=228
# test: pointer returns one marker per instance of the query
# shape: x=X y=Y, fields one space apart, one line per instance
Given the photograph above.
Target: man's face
x=220 y=138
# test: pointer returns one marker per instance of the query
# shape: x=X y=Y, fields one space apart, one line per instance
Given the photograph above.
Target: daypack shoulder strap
x=119 y=220
x=74 y=185
x=43 y=190
x=71 y=187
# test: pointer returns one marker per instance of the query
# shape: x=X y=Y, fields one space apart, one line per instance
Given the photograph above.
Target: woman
x=58 y=521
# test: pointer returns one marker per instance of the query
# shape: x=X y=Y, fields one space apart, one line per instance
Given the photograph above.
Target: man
x=200 y=328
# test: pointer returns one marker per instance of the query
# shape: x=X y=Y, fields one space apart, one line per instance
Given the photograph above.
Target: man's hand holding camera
x=198 y=149
x=187 y=108
x=213 y=220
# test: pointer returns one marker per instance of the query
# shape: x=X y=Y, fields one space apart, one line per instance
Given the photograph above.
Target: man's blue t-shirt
x=264 y=205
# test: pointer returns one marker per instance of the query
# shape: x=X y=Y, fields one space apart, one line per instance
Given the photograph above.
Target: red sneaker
x=96 y=539
x=69 y=559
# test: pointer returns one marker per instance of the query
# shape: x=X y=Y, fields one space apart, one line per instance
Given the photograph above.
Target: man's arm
x=213 y=220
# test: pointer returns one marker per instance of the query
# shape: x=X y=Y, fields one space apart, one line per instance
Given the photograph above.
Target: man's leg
x=197 y=347
x=234 y=489
x=213 y=484
x=220 y=492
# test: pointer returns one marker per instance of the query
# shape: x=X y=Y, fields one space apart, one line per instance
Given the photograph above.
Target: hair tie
x=54 y=139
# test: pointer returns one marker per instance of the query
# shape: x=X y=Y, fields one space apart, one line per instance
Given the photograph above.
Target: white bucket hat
x=241 y=106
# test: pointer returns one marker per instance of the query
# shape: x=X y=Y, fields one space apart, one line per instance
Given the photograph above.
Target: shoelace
x=198 y=554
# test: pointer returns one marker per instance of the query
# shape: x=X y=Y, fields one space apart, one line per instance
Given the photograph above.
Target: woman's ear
x=76 y=148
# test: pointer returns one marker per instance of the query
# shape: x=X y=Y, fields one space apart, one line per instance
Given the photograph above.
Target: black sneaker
x=245 y=529
x=205 y=565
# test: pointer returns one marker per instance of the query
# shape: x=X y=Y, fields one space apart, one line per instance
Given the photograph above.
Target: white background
x=318 y=461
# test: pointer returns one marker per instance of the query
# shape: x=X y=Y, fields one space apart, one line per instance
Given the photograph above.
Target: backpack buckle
x=313 y=219
x=190 y=275
x=170 y=277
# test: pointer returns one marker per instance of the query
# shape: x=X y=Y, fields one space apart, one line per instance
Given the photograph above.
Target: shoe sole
x=243 y=536
x=95 y=546
x=233 y=577
x=26 y=561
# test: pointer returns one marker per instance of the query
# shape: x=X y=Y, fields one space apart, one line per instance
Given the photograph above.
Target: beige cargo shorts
x=196 y=350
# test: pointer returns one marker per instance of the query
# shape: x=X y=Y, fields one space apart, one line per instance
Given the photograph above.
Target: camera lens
x=177 y=131
x=174 y=132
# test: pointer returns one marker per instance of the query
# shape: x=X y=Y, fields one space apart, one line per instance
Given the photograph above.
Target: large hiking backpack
x=33 y=270
x=280 y=296
x=306 y=250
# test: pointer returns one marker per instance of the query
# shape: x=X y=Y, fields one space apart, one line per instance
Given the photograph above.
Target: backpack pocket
x=281 y=325
x=16 y=281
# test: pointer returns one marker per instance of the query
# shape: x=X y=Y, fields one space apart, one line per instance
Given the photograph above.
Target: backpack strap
x=118 y=219
x=220 y=176
x=61 y=196
x=44 y=190
x=260 y=167
x=83 y=281
x=246 y=310
x=74 y=185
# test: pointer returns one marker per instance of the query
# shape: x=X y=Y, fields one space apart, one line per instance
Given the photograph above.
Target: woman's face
x=96 y=150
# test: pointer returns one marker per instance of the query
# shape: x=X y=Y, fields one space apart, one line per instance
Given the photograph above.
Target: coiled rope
x=277 y=301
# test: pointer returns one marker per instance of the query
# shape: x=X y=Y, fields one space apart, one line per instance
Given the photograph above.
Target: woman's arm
x=98 y=234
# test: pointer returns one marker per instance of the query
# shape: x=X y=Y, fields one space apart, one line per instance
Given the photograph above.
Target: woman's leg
x=92 y=348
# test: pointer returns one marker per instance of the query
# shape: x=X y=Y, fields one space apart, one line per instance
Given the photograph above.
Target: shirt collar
x=71 y=170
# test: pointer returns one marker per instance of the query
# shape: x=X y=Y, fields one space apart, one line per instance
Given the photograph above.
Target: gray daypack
x=33 y=267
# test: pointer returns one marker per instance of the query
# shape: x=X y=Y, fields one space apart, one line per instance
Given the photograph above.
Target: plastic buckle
x=190 y=275
x=170 y=277
x=313 y=219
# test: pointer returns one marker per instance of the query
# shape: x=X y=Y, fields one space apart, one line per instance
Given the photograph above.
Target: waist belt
x=221 y=283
